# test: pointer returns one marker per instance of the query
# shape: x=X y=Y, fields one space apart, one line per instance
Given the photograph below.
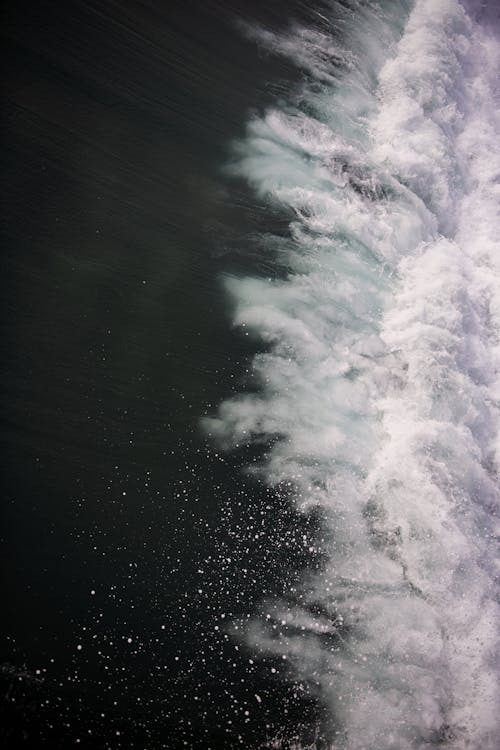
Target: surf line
x=382 y=370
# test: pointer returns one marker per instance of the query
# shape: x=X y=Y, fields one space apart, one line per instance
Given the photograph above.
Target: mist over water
x=380 y=375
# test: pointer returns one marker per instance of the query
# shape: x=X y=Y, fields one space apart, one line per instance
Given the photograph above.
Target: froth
x=382 y=375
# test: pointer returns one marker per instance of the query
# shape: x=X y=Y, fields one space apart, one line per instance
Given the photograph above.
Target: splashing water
x=382 y=370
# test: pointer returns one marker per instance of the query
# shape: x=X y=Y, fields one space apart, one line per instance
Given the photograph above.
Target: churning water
x=380 y=374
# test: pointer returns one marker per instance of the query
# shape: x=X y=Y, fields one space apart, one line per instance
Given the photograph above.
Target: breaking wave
x=380 y=378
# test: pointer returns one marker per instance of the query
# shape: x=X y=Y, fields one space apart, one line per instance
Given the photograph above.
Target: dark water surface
x=127 y=542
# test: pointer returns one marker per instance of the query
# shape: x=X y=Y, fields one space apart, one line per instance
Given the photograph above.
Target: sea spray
x=380 y=383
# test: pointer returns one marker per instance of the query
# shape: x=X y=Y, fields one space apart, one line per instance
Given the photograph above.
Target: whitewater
x=379 y=398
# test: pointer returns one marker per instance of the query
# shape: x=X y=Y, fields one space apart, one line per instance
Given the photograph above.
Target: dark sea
x=124 y=532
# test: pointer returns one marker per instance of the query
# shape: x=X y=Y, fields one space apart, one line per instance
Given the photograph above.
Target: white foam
x=383 y=375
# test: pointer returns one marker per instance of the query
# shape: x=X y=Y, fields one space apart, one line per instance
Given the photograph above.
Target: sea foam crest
x=382 y=375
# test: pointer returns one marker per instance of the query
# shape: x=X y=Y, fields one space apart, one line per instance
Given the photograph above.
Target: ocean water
x=128 y=542
x=375 y=394
x=249 y=375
